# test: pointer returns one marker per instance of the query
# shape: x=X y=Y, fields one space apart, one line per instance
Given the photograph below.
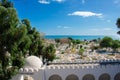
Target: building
x=35 y=70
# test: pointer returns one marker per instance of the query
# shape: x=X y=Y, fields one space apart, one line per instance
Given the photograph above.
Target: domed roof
x=33 y=62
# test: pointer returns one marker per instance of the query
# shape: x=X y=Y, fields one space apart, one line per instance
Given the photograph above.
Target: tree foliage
x=106 y=42
x=74 y=41
x=118 y=25
x=11 y=34
x=48 y=53
x=18 y=39
x=6 y=3
x=115 y=45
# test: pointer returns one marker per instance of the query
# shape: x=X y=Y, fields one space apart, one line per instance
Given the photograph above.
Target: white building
x=35 y=70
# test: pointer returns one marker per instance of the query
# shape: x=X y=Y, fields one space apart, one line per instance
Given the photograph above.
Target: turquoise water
x=87 y=37
x=72 y=36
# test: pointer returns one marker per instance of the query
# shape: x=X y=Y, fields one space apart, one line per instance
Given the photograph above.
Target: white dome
x=33 y=62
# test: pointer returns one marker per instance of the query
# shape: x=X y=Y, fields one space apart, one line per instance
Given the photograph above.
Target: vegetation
x=108 y=42
x=74 y=41
x=115 y=45
x=57 y=40
x=118 y=24
x=81 y=51
x=12 y=33
x=17 y=40
x=48 y=53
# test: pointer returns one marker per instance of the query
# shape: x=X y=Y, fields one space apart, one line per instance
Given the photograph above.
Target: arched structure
x=72 y=77
x=88 y=77
x=55 y=77
x=34 y=68
x=117 y=76
x=104 y=76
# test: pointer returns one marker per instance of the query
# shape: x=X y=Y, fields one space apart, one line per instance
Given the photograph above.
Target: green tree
x=17 y=39
x=115 y=45
x=74 y=41
x=118 y=24
x=6 y=3
x=33 y=42
x=57 y=40
x=48 y=53
x=106 y=42
x=77 y=41
x=11 y=34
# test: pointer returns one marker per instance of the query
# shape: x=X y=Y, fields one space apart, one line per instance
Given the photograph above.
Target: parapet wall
x=81 y=70
x=86 y=62
x=90 y=66
x=87 y=65
x=94 y=68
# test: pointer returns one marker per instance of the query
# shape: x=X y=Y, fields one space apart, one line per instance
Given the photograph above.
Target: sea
x=81 y=37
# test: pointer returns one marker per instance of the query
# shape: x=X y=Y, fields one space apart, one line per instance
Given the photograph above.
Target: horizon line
x=77 y=35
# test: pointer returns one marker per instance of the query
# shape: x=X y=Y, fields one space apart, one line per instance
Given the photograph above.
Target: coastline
x=80 y=37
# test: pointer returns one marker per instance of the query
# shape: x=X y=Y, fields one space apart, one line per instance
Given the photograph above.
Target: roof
x=33 y=62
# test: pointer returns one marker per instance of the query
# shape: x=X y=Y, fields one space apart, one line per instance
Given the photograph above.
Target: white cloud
x=108 y=20
x=103 y=29
x=83 y=1
x=44 y=2
x=116 y=1
x=107 y=29
x=49 y=1
x=59 y=26
x=86 y=14
x=63 y=27
x=59 y=1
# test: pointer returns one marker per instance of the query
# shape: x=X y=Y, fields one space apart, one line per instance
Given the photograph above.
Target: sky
x=71 y=17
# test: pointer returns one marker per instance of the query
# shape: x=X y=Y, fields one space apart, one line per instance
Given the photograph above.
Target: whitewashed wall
x=64 y=70
x=112 y=70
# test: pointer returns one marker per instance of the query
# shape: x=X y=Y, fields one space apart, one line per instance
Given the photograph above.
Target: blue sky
x=71 y=17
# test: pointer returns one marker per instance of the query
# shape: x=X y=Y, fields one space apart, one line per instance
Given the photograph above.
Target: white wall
x=65 y=70
x=112 y=70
